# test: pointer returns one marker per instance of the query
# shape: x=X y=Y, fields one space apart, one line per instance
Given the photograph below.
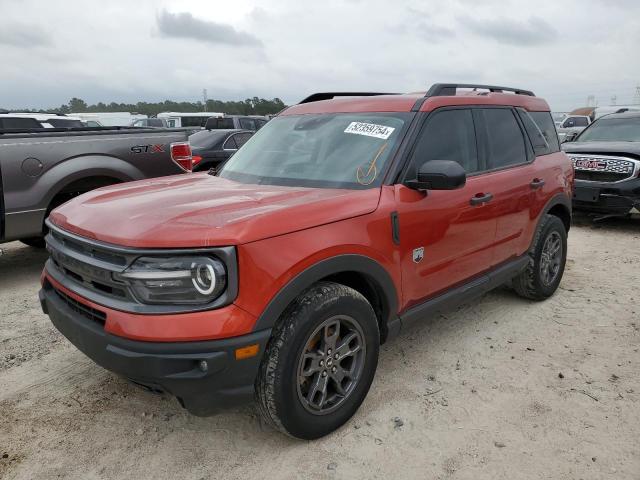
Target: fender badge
x=418 y=254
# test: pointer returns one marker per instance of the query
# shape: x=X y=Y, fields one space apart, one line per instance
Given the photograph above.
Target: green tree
x=77 y=105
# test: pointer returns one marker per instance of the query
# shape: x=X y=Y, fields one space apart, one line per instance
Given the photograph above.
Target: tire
x=327 y=313
x=35 y=242
x=536 y=281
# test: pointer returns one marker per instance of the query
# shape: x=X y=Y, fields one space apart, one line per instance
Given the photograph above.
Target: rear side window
x=230 y=143
x=505 y=143
x=19 y=123
x=448 y=135
x=62 y=123
x=219 y=123
x=247 y=123
x=538 y=140
x=241 y=138
x=260 y=123
x=575 y=122
x=545 y=123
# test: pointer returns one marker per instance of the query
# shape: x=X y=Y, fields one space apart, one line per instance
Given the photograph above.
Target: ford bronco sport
x=340 y=222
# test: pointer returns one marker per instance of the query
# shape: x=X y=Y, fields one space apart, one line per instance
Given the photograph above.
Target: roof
x=419 y=101
x=630 y=114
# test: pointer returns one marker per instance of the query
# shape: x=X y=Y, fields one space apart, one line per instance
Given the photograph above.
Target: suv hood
x=611 y=148
x=199 y=210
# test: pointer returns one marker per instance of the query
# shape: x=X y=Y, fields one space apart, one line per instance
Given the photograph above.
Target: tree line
x=250 y=106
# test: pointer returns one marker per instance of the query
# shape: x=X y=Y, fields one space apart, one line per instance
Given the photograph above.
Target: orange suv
x=340 y=222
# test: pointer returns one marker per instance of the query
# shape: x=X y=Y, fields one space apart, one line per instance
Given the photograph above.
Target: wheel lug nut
x=321 y=363
x=329 y=352
x=333 y=370
x=324 y=373
x=336 y=356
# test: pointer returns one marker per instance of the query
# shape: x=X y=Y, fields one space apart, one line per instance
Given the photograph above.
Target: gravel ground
x=500 y=389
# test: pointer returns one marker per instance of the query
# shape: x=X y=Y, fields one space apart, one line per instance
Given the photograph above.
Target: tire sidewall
x=296 y=419
x=553 y=224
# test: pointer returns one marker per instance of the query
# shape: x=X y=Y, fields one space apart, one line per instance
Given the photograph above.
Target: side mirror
x=438 y=175
x=569 y=137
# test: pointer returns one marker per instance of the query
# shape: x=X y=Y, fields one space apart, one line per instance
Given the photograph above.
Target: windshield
x=613 y=130
x=343 y=150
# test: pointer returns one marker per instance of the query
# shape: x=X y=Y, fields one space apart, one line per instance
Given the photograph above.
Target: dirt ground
x=500 y=389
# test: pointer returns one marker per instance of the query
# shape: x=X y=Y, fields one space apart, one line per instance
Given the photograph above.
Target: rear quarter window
x=541 y=130
x=548 y=128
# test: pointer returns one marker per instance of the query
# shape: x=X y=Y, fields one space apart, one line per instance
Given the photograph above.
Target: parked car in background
x=40 y=169
x=606 y=159
x=573 y=124
x=245 y=122
x=212 y=147
x=151 y=123
x=109 y=119
x=188 y=119
x=558 y=117
x=22 y=121
x=335 y=227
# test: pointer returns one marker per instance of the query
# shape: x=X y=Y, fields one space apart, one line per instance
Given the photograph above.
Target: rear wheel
x=320 y=362
x=547 y=259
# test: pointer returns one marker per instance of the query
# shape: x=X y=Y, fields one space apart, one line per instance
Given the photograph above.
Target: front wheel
x=547 y=259
x=320 y=362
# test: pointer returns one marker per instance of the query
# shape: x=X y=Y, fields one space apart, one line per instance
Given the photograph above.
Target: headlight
x=176 y=280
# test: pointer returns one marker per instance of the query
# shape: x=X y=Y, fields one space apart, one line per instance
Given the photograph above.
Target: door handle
x=481 y=198
x=536 y=183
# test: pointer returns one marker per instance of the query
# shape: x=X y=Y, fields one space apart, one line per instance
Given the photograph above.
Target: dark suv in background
x=211 y=148
x=606 y=159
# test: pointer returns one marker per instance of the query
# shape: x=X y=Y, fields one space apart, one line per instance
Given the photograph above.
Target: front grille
x=593 y=176
x=79 y=307
x=604 y=168
x=89 y=265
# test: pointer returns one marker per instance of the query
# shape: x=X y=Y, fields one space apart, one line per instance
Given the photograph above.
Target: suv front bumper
x=608 y=198
x=172 y=367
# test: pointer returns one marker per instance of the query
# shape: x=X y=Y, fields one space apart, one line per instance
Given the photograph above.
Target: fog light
x=204 y=366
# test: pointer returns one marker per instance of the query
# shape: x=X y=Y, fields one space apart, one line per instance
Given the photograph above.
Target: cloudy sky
x=151 y=50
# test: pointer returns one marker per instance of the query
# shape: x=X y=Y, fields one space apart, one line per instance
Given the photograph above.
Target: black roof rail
x=449 y=89
x=316 y=97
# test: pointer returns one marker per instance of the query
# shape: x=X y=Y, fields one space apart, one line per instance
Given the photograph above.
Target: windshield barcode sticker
x=370 y=130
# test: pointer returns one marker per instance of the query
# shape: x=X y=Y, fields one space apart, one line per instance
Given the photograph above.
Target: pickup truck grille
x=604 y=168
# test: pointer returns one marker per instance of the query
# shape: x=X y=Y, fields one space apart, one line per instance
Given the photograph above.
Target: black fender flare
x=558 y=199
x=361 y=264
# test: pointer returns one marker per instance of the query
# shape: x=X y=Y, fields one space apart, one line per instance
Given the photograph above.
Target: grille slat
x=79 y=307
x=88 y=266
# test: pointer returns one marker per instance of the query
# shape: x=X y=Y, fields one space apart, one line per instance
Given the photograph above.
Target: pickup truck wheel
x=35 y=242
x=548 y=256
x=320 y=362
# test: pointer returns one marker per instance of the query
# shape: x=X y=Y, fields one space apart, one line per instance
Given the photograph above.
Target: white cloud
x=117 y=50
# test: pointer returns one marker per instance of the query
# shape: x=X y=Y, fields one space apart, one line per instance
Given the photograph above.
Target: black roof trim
x=316 y=97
